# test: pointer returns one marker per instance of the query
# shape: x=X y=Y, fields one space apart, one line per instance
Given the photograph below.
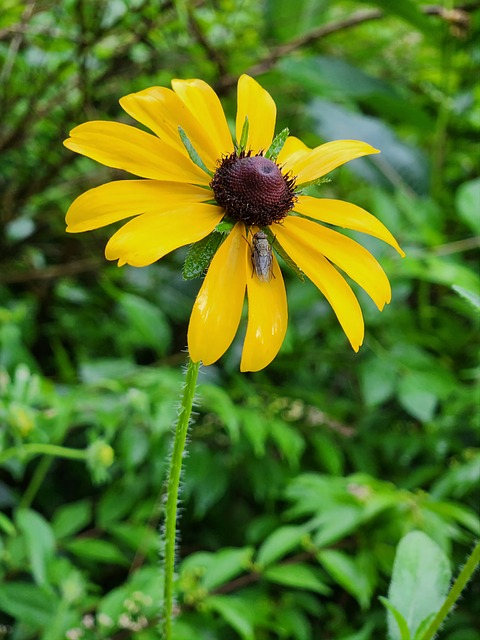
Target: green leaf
x=71 y=518
x=365 y=633
x=215 y=398
x=461 y=514
x=138 y=537
x=97 y=550
x=277 y=144
x=147 y=324
x=424 y=626
x=346 y=571
x=200 y=255
x=336 y=521
x=225 y=565
x=334 y=78
x=6 y=525
x=285 y=19
x=39 y=540
x=467 y=200
x=409 y=11
x=298 y=575
x=420 y=581
x=236 y=612
x=327 y=76
x=378 y=380
x=399 y=163
x=328 y=452
x=442 y=270
x=28 y=603
x=460 y=478
x=288 y=440
x=472 y=297
x=400 y=620
x=147 y=581
x=110 y=509
x=416 y=395
x=279 y=543
x=255 y=428
x=293 y=621
x=201 y=486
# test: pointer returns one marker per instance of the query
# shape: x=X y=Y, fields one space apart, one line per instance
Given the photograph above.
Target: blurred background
x=302 y=478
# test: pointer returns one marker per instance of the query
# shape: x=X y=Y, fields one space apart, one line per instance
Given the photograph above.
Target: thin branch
x=467 y=244
x=51 y=272
x=458 y=16
x=15 y=45
x=212 y=53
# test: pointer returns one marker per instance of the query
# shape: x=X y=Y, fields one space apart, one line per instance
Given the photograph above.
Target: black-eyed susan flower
x=194 y=177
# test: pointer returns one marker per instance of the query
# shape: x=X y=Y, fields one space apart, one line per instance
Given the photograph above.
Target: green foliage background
x=301 y=479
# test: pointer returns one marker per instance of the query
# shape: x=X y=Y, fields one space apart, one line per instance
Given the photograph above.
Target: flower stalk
x=41 y=448
x=173 y=483
x=455 y=592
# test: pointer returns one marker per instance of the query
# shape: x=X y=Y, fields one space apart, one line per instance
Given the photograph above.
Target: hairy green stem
x=458 y=586
x=173 y=483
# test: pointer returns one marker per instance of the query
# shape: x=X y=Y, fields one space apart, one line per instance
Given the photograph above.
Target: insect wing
x=262 y=257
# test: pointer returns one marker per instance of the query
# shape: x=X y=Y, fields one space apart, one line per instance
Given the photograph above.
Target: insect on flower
x=262 y=258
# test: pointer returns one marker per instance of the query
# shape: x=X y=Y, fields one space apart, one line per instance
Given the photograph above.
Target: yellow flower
x=194 y=176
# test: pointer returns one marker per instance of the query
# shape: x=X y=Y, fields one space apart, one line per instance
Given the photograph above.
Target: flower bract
x=192 y=174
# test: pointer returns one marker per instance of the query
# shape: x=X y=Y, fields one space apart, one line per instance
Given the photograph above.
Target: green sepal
x=313 y=183
x=285 y=257
x=200 y=255
x=225 y=226
x=194 y=157
x=277 y=144
x=244 y=137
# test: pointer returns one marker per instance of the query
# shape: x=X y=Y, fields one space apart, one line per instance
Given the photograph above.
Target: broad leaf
x=72 y=518
x=28 y=603
x=280 y=543
x=236 y=612
x=39 y=539
x=420 y=581
x=298 y=575
x=348 y=573
x=225 y=565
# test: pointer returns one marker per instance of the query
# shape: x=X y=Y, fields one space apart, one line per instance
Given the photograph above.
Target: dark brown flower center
x=253 y=189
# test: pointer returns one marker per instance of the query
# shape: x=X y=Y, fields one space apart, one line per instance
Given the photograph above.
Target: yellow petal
x=218 y=308
x=121 y=199
x=267 y=320
x=327 y=279
x=150 y=236
x=347 y=254
x=162 y=111
x=202 y=101
x=292 y=150
x=123 y=147
x=346 y=215
x=257 y=104
x=323 y=159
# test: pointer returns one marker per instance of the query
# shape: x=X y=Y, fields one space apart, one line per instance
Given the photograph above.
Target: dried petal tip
x=252 y=189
